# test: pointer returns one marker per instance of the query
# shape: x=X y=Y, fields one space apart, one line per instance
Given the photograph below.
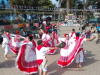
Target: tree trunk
x=85 y=6
x=84 y=17
x=68 y=6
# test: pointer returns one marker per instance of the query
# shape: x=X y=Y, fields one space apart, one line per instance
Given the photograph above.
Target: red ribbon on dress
x=8 y=36
x=72 y=34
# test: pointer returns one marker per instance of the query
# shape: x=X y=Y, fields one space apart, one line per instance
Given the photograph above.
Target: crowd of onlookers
x=95 y=28
x=4 y=22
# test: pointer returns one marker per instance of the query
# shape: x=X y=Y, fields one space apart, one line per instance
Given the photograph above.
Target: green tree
x=67 y=4
x=37 y=3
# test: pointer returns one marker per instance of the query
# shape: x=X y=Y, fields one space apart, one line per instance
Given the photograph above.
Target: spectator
x=0 y=21
x=40 y=33
x=31 y=25
x=1 y=40
x=94 y=24
x=88 y=33
x=24 y=33
x=55 y=29
x=83 y=27
x=29 y=32
x=3 y=22
x=40 y=25
x=87 y=23
x=48 y=19
x=98 y=30
x=36 y=33
x=98 y=19
x=34 y=25
x=20 y=25
x=93 y=29
x=48 y=29
x=17 y=21
x=39 y=19
x=6 y=22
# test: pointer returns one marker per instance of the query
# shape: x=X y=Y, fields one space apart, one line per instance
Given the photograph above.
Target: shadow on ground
x=54 y=69
x=7 y=64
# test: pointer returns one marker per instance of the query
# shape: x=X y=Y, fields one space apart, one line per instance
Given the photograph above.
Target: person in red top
x=80 y=54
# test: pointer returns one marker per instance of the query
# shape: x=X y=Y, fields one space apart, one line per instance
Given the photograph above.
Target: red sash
x=72 y=34
x=8 y=36
x=39 y=61
x=80 y=48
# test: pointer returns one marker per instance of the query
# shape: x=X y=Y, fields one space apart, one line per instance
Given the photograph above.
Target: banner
x=19 y=7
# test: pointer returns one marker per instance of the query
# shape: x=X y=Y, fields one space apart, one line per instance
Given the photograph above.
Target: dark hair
x=7 y=31
x=39 y=42
x=77 y=34
x=73 y=30
x=47 y=31
x=30 y=37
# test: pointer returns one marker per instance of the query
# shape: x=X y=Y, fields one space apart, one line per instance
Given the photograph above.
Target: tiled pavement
x=91 y=64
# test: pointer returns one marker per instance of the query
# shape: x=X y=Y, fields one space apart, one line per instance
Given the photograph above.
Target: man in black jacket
x=48 y=19
x=31 y=25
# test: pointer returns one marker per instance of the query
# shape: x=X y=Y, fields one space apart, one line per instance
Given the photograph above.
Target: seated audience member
x=40 y=25
x=34 y=25
x=24 y=33
x=83 y=27
x=36 y=33
x=93 y=29
x=40 y=33
x=7 y=22
x=48 y=29
x=88 y=34
x=31 y=25
x=29 y=32
x=55 y=29
x=98 y=31
x=17 y=21
x=3 y=22
x=20 y=25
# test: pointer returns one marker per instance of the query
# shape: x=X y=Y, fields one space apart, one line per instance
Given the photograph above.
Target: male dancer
x=80 y=54
x=41 y=56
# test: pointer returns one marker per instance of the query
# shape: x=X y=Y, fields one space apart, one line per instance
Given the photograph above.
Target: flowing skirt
x=26 y=60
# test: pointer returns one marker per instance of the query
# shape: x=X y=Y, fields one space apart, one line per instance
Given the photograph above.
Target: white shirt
x=41 y=54
x=82 y=44
x=43 y=37
x=73 y=37
x=47 y=36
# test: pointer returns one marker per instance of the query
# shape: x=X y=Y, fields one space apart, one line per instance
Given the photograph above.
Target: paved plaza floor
x=91 y=64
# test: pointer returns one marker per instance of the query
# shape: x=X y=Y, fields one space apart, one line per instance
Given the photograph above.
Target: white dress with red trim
x=72 y=35
x=49 y=43
x=68 y=53
x=15 y=44
x=26 y=60
x=43 y=38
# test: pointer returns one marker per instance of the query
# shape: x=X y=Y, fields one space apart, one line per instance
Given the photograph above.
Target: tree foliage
x=37 y=3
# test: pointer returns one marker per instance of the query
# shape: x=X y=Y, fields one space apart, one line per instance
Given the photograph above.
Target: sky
x=54 y=2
